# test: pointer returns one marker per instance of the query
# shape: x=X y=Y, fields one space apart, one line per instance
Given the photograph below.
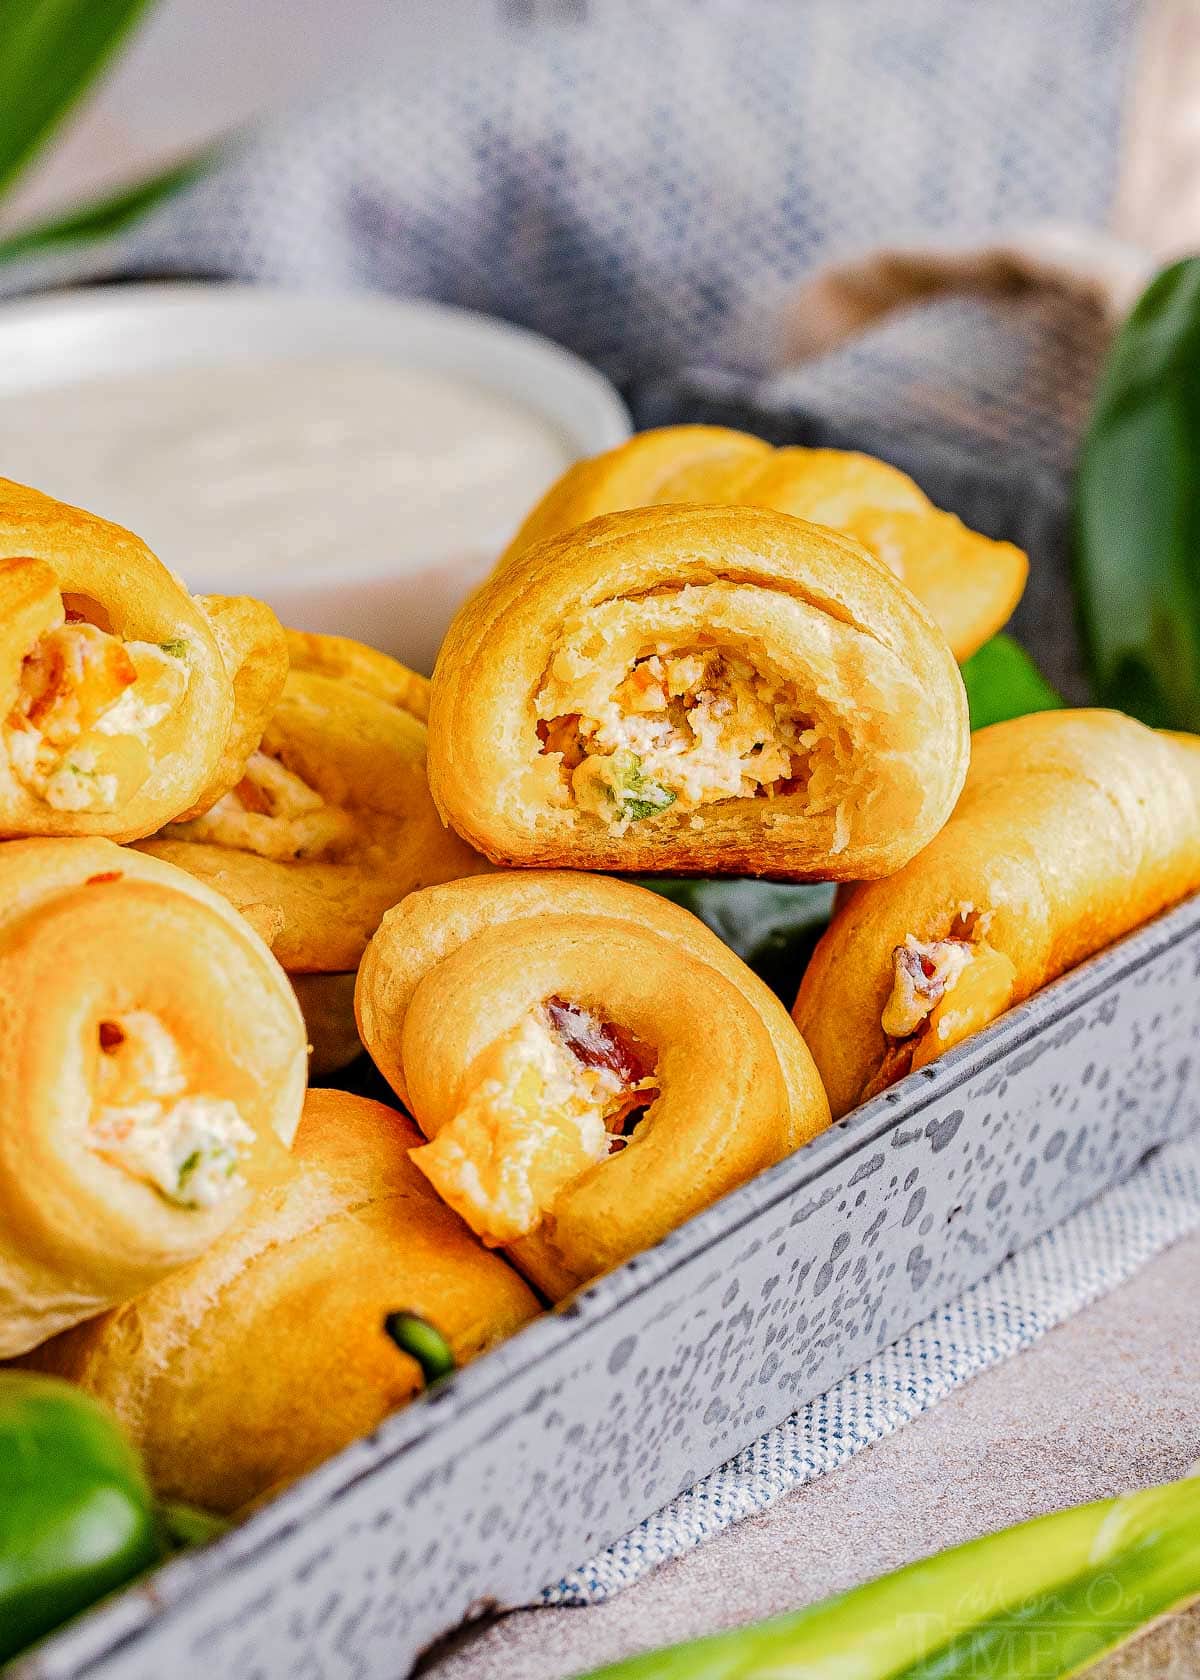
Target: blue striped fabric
x=645 y=179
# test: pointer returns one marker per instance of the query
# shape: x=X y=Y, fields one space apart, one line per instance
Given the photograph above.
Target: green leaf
x=50 y=51
x=106 y=216
x=1003 y=682
x=1137 y=510
x=771 y=925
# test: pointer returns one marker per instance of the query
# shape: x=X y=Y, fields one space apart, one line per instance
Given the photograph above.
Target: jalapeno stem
x=418 y=1338
x=185 y=1526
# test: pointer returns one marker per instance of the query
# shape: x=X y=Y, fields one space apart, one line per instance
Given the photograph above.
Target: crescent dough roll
x=525 y=1019
x=364 y=667
x=330 y=825
x=701 y=690
x=248 y=1368
x=1073 y=828
x=123 y=702
x=152 y=1063
x=968 y=583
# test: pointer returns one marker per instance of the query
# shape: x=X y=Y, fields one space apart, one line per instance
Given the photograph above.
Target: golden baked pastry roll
x=124 y=703
x=363 y=667
x=254 y=647
x=968 y=582
x=247 y=1369
x=527 y=1019
x=152 y=1065
x=1073 y=828
x=330 y=824
x=701 y=690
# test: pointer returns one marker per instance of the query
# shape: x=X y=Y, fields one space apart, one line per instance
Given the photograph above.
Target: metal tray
x=523 y=1464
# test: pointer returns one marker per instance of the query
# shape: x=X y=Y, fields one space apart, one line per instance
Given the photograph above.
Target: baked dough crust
x=254 y=647
x=564 y=623
x=246 y=1370
x=231 y=648
x=451 y=968
x=968 y=582
x=1073 y=828
x=364 y=667
x=344 y=729
x=90 y=933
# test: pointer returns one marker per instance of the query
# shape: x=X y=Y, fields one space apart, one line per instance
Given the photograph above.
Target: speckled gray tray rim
x=110 y=1639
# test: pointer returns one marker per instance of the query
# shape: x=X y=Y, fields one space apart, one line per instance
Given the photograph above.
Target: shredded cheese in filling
x=924 y=971
x=78 y=731
x=552 y=1097
x=685 y=729
x=943 y=990
x=274 y=813
x=147 y=1123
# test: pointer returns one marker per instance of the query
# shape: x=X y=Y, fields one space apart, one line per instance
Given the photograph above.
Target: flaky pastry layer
x=332 y=822
x=1072 y=829
x=697 y=690
x=968 y=582
x=124 y=702
x=244 y=1371
x=453 y=993
x=152 y=1068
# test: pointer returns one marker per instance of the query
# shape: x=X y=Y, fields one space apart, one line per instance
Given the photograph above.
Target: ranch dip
x=245 y=470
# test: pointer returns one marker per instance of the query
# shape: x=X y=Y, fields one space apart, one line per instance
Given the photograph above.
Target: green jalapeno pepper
x=1044 y=1600
x=77 y=1517
x=772 y=925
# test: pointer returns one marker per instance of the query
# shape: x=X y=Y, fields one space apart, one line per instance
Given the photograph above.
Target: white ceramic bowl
x=398 y=596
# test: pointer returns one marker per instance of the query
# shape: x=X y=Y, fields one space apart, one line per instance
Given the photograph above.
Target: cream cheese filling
x=273 y=813
x=85 y=699
x=943 y=990
x=923 y=972
x=187 y=1146
x=549 y=1095
x=684 y=728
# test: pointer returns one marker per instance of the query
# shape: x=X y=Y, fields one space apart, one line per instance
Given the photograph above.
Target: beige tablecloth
x=1105 y=1403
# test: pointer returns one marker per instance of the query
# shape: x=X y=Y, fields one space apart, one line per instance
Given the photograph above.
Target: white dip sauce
x=270 y=477
x=286 y=465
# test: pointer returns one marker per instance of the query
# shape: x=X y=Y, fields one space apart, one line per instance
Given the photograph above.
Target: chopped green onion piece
x=636 y=809
x=636 y=797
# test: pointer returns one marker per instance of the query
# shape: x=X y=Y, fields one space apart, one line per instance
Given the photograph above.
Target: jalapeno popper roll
x=701 y=690
x=1073 y=828
x=969 y=583
x=529 y=1020
x=363 y=667
x=152 y=1062
x=248 y=1368
x=330 y=824
x=124 y=703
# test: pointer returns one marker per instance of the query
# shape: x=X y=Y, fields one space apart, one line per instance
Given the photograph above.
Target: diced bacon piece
x=600 y=1044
